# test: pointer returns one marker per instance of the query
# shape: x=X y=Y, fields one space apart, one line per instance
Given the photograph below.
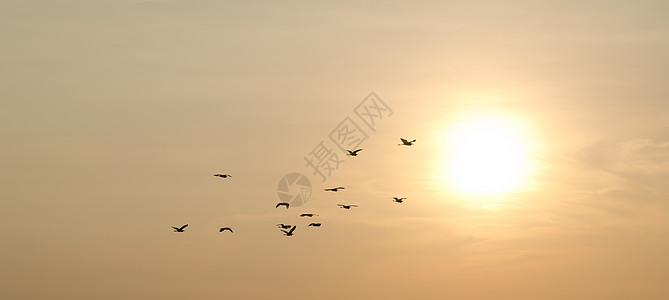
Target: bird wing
x=292 y=229
x=175 y=228
x=356 y=151
x=182 y=227
x=404 y=141
x=340 y=188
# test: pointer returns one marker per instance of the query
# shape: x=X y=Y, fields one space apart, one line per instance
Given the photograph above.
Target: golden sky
x=539 y=171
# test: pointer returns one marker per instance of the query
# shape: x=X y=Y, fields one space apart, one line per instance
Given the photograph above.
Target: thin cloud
x=634 y=170
x=642 y=156
x=139 y=1
x=630 y=156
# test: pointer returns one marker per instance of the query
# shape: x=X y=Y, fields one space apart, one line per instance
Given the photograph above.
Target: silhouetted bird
x=223 y=175
x=308 y=215
x=336 y=189
x=289 y=232
x=224 y=229
x=315 y=224
x=181 y=229
x=347 y=206
x=353 y=153
x=284 y=226
x=406 y=143
x=286 y=204
x=398 y=200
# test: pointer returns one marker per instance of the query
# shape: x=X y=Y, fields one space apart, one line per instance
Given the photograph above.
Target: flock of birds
x=288 y=229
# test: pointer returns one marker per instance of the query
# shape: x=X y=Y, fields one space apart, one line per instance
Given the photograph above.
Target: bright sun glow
x=486 y=155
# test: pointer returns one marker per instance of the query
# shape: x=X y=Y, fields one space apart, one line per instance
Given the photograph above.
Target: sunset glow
x=295 y=150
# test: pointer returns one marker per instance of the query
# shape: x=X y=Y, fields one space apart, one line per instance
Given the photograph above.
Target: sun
x=486 y=154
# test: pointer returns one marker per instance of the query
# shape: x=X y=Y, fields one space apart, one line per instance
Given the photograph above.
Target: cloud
x=642 y=156
x=634 y=170
x=635 y=156
x=139 y=1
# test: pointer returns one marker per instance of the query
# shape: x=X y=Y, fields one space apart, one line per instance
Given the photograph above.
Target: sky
x=538 y=171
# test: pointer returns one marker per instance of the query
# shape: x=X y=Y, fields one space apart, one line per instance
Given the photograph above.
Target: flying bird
x=336 y=189
x=223 y=175
x=284 y=226
x=308 y=215
x=398 y=200
x=224 y=229
x=406 y=143
x=353 y=153
x=314 y=224
x=180 y=229
x=347 y=206
x=289 y=232
x=286 y=204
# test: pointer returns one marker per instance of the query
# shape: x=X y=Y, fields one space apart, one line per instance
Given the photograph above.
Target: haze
x=114 y=115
